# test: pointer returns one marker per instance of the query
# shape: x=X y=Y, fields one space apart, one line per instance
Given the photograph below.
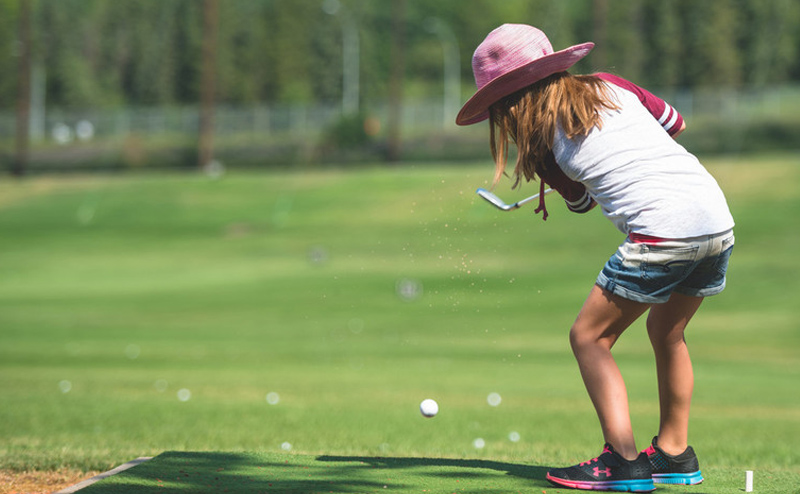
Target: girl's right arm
x=681 y=129
x=669 y=118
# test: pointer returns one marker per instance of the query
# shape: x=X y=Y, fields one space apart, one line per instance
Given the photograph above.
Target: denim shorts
x=650 y=272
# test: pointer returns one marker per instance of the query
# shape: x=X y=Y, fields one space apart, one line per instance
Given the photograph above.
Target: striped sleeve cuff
x=670 y=119
x=582 y=205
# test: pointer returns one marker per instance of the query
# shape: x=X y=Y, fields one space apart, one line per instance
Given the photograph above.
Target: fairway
x=301 y=317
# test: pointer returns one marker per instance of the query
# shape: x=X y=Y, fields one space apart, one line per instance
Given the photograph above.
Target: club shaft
x=531 y=198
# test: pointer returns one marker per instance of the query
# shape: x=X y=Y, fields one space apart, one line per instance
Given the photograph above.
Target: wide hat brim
x=476 y=109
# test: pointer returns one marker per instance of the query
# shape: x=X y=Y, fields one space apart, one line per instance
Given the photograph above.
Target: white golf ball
x=429 y=408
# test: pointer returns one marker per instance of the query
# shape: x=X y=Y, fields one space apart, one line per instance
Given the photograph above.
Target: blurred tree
x=71 y=42
x=769 y=39
x=289 y=33
x=242 y=48
x=397 y=55
x=9 y=52
x=208 y=82
x=600 y=56
x=626 y=42
x=106 y=53
x=712 y=53
x=187 y=41
x=661 y=28
x=327 y=49
x=23 y=89
x=153 y=58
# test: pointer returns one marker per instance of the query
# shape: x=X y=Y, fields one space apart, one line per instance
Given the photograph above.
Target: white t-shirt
x=644 y=181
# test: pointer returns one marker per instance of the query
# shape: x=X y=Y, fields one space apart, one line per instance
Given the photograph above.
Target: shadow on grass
x=212 y=472
x=462 y=468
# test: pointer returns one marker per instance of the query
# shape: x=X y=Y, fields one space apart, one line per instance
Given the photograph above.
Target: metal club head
x=494 y=200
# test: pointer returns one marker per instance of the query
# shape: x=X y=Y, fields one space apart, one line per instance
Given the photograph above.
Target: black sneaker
x=667 y=469
x=607 y=472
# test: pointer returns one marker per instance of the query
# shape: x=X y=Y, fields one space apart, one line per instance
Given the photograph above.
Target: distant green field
x=308 y=314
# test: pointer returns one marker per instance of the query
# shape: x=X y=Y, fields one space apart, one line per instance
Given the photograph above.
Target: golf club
x=499 y=204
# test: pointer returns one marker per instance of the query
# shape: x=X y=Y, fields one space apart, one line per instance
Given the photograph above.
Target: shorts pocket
x=668 y=264
x=727 y=243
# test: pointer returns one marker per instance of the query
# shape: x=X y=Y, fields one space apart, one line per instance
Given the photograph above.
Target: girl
x=601 y=140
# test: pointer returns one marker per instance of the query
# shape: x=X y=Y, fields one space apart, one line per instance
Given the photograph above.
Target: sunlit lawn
x=150 y=313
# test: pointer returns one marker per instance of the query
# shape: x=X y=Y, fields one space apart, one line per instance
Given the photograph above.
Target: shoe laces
x=606 y=449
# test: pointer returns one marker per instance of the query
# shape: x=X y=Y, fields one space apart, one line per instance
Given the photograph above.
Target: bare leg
x=602 y=319
x=665 y=325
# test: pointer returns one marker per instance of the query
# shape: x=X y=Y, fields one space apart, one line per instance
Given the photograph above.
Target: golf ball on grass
x=429 y=408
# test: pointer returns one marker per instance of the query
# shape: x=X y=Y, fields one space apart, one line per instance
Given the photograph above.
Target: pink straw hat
x=512 y=57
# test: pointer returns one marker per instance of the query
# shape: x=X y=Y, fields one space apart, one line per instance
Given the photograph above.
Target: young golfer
x=601 y=140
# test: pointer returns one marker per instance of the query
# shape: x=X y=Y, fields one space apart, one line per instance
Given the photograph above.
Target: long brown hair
x=530 y=116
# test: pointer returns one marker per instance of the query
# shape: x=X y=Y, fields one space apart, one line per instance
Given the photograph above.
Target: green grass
x=126 y=289
x=251 y=473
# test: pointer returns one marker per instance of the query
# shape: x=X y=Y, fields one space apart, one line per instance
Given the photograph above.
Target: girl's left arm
x=574 y=193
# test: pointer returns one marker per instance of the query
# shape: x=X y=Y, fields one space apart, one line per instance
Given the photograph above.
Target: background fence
x=268 y=135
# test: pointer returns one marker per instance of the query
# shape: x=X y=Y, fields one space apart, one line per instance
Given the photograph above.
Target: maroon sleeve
x=574 y=193
x=667 y=116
